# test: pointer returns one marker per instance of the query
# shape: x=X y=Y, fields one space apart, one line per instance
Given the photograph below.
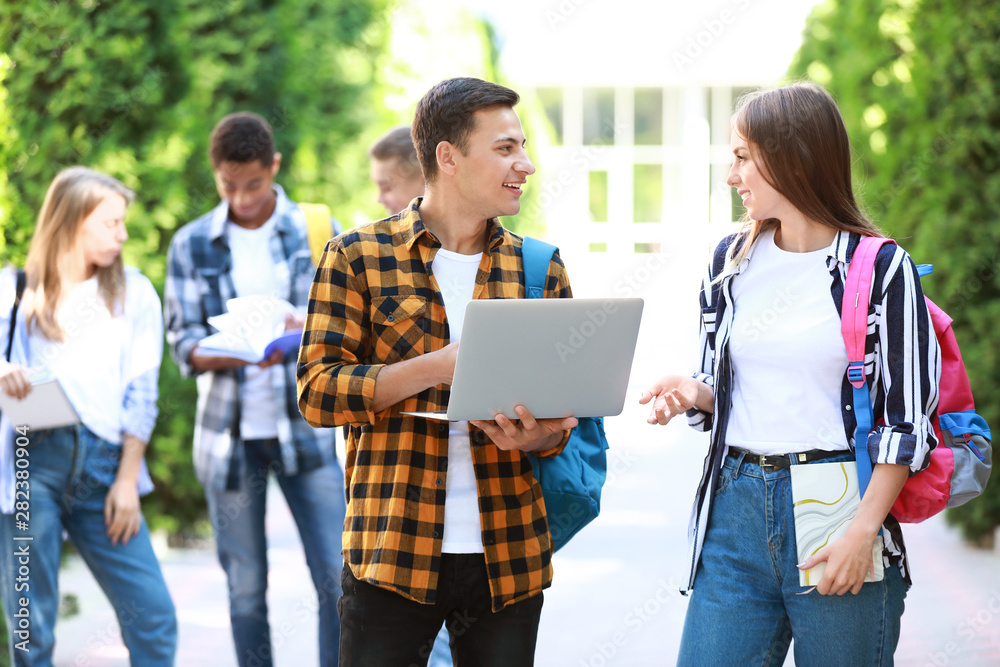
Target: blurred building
x=637 y=97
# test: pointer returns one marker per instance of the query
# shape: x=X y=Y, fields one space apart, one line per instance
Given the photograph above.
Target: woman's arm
x=141 y=372
x=122 y=512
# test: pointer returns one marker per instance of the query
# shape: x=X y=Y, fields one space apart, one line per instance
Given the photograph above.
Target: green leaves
x=134 y=89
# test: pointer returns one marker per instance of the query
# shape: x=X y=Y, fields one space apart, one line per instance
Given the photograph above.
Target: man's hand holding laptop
x=528 y=434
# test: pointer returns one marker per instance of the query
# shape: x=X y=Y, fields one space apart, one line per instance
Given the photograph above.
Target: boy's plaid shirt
x=198 y=285
x=374 y=302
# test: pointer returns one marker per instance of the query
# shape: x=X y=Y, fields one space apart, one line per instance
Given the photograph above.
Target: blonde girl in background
x=94 y=325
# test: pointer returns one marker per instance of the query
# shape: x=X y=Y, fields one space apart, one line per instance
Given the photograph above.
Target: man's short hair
x=445 y=113
x=242 y=137
x=396 y=143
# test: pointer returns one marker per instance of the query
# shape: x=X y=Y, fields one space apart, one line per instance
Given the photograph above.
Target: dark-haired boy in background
x=247 y=425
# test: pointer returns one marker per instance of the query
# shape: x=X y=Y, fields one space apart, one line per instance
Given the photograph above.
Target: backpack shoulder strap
x=854 y=308
x=319 y=227
x=854 y=328
x=535 y=256
x=18 y=293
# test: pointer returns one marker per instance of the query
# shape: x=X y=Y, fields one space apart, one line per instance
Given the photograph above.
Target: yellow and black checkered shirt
x=374 y=302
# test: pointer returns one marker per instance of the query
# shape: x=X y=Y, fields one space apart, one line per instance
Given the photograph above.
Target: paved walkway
x=614 y=600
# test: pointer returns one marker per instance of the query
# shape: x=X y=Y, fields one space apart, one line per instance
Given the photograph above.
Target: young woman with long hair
x=95 y=326
x=773 y=391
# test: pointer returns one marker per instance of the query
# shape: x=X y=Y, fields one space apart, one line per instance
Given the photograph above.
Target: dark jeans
x=381 y=628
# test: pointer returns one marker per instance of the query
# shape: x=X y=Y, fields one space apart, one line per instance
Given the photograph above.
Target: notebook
x=556 y=357
x=45 y=407
x=824 y=501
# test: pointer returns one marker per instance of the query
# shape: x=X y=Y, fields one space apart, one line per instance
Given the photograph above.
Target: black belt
x=783 y=460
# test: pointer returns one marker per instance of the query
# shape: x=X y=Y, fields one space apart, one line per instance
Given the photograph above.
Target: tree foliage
x=134 y=89
x=917 y=82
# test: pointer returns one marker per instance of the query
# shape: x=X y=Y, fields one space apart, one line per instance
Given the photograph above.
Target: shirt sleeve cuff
x=364 y=386
x=887 y=445
x=697 y=419
x=555 y=451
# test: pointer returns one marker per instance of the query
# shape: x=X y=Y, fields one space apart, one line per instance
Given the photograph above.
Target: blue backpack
x=571 y=482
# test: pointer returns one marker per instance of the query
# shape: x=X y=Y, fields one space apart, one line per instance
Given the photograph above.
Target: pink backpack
x=961 y=463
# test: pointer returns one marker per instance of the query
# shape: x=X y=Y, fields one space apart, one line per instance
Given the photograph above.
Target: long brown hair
x=797 y=138
x=72 y=196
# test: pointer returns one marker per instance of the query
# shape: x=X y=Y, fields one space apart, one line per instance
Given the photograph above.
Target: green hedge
x=917 y=83
x=134 y=89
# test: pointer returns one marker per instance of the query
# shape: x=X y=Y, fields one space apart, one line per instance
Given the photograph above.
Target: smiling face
x=494 y=165
x=102 y=234
x=761 y=200
x=247 y=186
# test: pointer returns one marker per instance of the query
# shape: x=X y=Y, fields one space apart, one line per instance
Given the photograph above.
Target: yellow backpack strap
x=319 y=228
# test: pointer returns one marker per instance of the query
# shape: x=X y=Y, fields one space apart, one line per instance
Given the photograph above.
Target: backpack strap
x=18 y=293
x=319 y=225
x=535 y=257
x=854 y=327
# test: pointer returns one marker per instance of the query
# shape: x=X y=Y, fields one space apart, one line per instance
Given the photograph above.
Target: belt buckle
x=762 y=460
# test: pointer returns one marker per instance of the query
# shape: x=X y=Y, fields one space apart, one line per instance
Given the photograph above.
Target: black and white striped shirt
x=902 y=368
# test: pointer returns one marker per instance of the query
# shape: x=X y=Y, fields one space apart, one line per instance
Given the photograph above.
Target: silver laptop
x=556 y=357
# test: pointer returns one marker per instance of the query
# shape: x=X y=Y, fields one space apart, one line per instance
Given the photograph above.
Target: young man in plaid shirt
x=445 y=522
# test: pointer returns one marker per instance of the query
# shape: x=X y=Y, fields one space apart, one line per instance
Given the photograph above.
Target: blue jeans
x=381 y=628
x=744 y=608
x=441 y=651
x=69 y=472
x=316 y=501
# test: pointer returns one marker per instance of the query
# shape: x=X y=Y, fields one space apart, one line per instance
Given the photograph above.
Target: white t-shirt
x=253 y=273
x=788 y=354
x=101 y=351
x=456 y=278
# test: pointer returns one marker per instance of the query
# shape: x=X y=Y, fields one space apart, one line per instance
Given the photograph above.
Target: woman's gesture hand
x=670 y=396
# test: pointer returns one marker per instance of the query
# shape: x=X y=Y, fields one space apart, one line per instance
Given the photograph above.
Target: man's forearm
x=202 y=364
x=397 y=382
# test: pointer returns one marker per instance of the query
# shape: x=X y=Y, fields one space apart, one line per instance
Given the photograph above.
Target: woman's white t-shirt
x=788 y=354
